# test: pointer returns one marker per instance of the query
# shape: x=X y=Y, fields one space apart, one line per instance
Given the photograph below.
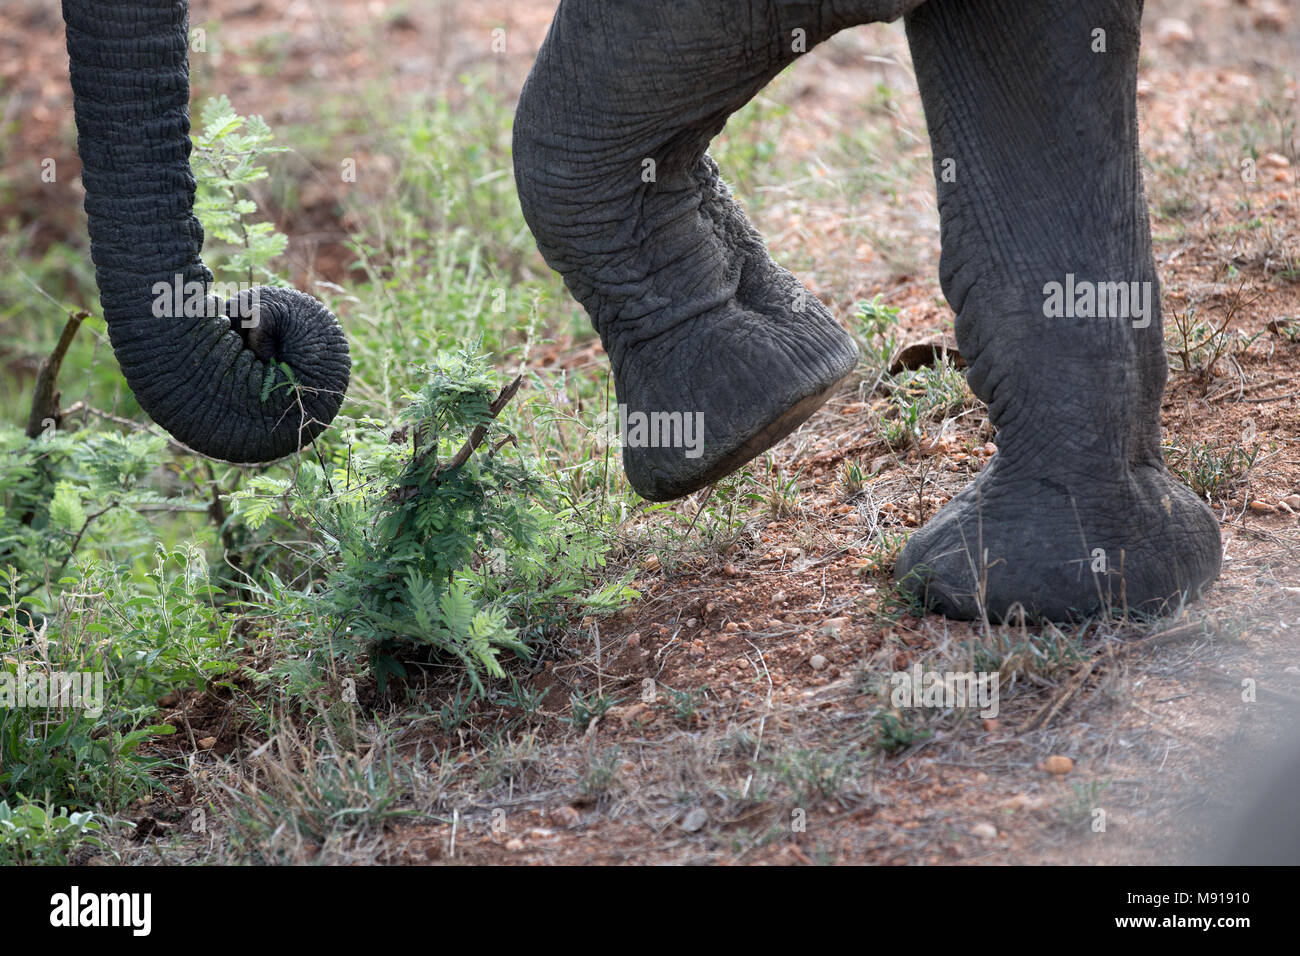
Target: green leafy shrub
x=876 y=332
x=461 y=555
x=31 y=835
x=227 y=160
x=895 y=733
x=58 y=489
x=79 y=596
x=124 y=557
x=1209 y=470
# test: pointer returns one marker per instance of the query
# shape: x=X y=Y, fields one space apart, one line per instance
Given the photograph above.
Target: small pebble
x=984 y=831
x=695 y=819
x=1170 y=32
x=1058 y=764
x=565 y=816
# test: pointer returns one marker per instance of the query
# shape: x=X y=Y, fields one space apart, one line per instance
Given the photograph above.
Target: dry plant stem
x=1048 y=711
x=77 y=408
x=475 y=439
x=480 y=432
x=45 y=399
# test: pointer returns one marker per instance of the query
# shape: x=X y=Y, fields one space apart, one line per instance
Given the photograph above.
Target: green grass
x=278 y=587
x=1212 y=471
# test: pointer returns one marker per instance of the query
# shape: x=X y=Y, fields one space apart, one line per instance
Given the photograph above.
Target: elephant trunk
x=210 y=371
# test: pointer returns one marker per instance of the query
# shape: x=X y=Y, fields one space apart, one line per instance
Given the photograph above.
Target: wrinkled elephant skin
x=1031 y=108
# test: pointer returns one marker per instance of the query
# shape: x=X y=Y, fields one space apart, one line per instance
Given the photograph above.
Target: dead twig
x=480 y=432
x=1047 y=713
x=45 y=399
x=475 y=439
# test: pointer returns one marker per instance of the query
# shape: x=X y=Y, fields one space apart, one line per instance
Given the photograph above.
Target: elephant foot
x=717 y=352
x=1062 y=549
x=702 y=392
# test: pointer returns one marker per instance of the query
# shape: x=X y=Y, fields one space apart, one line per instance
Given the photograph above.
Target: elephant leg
x=1032 y=116
x=700 y=325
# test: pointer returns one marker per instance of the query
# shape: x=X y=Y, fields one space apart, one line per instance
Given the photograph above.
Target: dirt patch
x=761 y=654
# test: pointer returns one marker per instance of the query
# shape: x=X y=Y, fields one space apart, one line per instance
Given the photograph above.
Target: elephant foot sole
x=749 y=449
x=776 y=375
x=1062 y=551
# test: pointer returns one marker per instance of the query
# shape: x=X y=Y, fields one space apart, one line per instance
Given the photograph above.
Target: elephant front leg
x=1047 y=262
x=717 y=351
